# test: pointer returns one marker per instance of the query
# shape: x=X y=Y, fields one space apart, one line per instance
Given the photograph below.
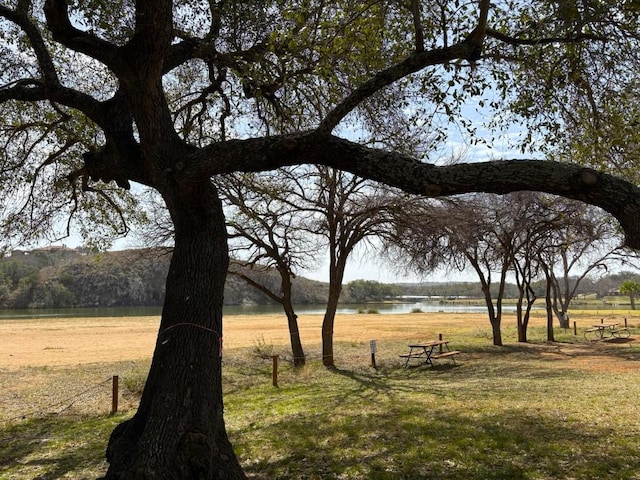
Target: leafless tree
x=265 y=232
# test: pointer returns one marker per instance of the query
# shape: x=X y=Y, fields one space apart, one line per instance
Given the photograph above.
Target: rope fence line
x=358 y=352
x=104 y=393
x=68 y=402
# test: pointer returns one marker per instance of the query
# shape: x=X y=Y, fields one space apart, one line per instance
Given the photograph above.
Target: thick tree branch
x=613 y=194
x=476 y=37
x=384 y=78
x=59 y=24
x=154 y=30
x=417 y=25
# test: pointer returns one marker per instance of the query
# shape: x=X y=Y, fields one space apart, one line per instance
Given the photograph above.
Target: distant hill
x=60 y=277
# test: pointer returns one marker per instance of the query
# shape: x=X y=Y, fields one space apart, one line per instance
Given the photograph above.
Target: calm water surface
x=383 y=308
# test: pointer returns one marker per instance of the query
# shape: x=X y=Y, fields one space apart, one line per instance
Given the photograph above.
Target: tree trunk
x=292 y=318
x=549 y=304
x=525 y=321
x=522 y=333
x=493 y=318
x=336 y=275
x=632 y=298
x=178 y=431
x=285 y=300
x=563 y=319
x=328 y=323
x=496 y=331
x=294 y=335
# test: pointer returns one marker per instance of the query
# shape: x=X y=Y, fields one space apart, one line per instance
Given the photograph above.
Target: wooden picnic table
x=425 y=352
x=601 y=331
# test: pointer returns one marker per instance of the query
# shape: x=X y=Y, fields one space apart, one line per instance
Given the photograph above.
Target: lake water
x=382 y=308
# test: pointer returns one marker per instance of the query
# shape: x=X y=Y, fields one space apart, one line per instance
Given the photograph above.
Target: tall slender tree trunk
x=294 y=336
x=494 y=318
x=285 y=299
x=178 y=431
x=522 y=334
x=336 y=275
x=549 y=304
x=292 y=318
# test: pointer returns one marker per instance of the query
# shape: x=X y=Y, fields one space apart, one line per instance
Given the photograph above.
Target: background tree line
x=77 y=278
x=80 y=278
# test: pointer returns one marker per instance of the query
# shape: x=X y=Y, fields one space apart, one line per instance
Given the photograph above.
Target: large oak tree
x=100 y=97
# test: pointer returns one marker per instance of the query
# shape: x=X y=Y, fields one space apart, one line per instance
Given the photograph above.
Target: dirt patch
x=57 y=342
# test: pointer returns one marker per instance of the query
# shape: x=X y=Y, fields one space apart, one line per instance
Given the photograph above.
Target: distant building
x=47 y=249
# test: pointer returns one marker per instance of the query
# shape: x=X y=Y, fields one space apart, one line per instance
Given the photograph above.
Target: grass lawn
x=567 y=410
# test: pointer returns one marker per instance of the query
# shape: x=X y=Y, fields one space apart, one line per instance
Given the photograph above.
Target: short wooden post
x=440 y=338
x=575 y=328
x=114 y=395
x=374 y=347
x=602 y=320
x=275 y=370
x=625 y=322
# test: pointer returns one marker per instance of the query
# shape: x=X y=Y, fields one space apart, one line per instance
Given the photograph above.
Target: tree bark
x=522 y=334
x=292 y=319
x=494 y=318
x=297 y=351
x=337 y=267
x=549 y=308
x=328 y=324
x=178 y=431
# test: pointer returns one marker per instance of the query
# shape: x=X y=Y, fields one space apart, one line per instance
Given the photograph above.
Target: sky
x=368 y=269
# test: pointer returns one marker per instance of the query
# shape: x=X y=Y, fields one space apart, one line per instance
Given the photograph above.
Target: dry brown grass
x=55 y=342
x=45 y=362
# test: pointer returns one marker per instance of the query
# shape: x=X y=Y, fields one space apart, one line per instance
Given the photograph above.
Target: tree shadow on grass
x=54 y=447
x=403 y=443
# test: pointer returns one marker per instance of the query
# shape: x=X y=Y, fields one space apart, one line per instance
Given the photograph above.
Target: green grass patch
x=513 y=412
x=55 y=447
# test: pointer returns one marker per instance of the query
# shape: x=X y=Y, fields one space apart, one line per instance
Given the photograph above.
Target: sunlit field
x=563 y=410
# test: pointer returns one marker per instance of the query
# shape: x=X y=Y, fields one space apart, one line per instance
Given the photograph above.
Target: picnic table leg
x=428 y=351
x=406 y=363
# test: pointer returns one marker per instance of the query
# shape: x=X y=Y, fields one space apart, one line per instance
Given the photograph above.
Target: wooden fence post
x=374 y=347
x=275 y=370
x=114 y=395
x=575 y=328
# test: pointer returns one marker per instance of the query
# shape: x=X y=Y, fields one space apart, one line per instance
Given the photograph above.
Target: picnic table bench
x=425 y=352
x=603 y=331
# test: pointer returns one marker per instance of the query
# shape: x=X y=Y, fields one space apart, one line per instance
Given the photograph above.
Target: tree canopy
x=99 y=100
x=231 y=79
